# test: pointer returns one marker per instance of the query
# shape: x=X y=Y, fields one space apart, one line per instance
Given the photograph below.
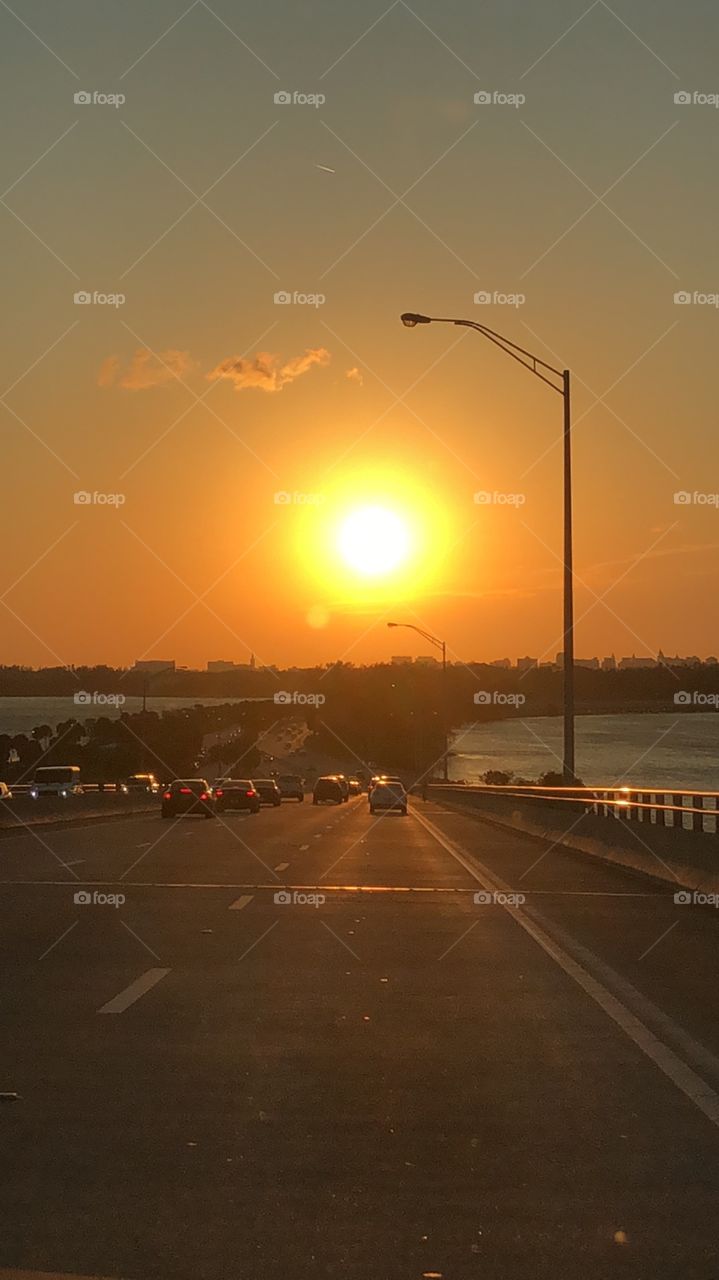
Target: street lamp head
x=392 y=624
x=411 y=318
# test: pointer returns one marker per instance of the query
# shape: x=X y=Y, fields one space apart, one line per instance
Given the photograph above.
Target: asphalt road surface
x=380 y=1077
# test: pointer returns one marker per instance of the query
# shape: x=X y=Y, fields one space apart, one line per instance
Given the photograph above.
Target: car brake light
x=251 y=794
x=185 y=791
x=219 y=792
x=167 y=795
x=204 y=795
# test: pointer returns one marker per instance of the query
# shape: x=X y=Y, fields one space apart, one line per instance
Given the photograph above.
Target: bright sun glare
x=374 y=540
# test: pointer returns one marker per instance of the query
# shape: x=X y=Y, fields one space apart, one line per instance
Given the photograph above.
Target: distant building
x=504 y=663
x=400 y=660
x=592 y=664
x=425 y=660
x=711 y=661
x=609 y=664
x=636 y=664
x=526 y=664
x=222 y=664
x=153 y=666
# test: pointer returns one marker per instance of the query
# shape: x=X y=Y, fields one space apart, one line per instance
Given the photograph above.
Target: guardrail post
x=678 y=818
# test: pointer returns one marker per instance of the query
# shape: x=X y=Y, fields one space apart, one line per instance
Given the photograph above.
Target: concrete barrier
x=686 y=859
x=22 y=811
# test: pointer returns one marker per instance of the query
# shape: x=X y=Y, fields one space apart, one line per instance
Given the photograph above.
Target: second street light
x=559 y=381
x=442 y=646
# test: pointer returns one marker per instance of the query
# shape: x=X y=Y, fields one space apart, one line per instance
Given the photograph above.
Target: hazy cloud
x=145 y=369
x=264 y=370
x=355 y=375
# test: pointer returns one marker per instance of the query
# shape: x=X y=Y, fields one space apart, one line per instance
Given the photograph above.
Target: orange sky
x=199 y=396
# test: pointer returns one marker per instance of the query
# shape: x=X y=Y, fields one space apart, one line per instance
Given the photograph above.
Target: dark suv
x=268 y=791
x=328 y=791
x=188 y=795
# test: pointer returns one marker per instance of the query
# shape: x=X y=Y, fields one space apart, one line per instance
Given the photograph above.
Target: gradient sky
x=431 y=199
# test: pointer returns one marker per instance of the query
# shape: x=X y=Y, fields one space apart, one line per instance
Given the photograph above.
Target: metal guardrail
x=662 y=807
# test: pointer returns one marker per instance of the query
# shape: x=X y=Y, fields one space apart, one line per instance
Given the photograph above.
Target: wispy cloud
x=264 y=371
x=145 y=369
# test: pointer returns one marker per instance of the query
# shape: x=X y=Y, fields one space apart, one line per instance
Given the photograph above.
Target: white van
x=56 y=780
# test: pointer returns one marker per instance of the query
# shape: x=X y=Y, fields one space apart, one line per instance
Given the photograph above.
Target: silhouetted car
x=355 y=787
x=5 y=792
x=344 y=785
x=268 y=791
x=236 y=793
x=188 y=795
x=291 y=787
x=327 y=791
x=388 y=794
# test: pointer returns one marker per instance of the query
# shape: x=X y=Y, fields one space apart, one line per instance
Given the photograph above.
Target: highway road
x=379 y=1077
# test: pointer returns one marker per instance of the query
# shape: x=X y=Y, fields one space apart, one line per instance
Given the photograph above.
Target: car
x=327 y=790
x=188 y=795
x=344 y=785
x=5 y=792
x=355 y=786
x=268 y=791
x=142 y=782
x=56 y=780
x=291 y=786
x=388 y=794
x=236 y=793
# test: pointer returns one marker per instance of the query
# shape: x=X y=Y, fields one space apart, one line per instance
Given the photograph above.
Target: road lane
x=393 y=1080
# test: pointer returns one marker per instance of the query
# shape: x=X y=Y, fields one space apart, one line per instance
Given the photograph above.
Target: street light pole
x=559 y=380
x=442 y=646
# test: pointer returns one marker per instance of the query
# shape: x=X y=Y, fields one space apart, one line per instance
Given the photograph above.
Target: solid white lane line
x=282 y=866
x=686 y=1080
x=242 y=902
x=139 y=987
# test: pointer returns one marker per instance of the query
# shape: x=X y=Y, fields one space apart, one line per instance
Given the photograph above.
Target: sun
x=374 y=541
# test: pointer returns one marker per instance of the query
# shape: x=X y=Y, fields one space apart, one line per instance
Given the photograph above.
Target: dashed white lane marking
x=303 y=847
x=136 y=989
x=146 y=845
x=282 y=866
x=241 y=903
x=664 y=1057
x=318 y=835
x=13 y=1274
x=75 y=863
